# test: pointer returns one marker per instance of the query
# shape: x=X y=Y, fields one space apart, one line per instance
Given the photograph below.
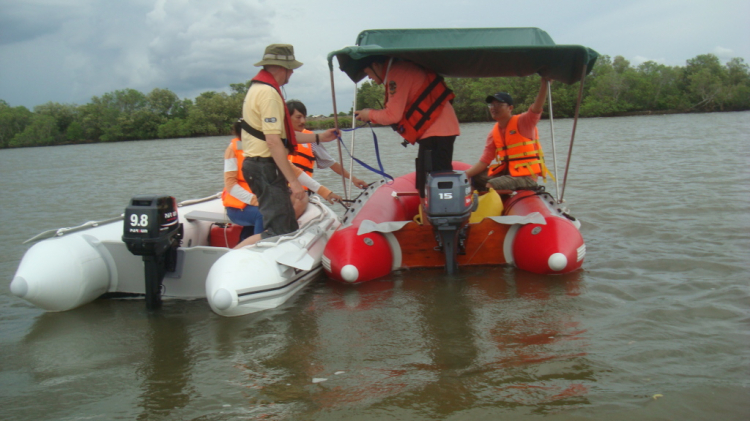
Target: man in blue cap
x=514 y=143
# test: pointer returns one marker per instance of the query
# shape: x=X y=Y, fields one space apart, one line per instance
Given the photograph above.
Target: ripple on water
x=660 y=307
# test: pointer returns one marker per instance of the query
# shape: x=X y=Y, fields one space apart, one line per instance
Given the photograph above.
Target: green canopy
x=470 y=52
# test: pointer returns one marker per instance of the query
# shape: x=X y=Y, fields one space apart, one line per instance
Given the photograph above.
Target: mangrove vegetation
x=613 y=88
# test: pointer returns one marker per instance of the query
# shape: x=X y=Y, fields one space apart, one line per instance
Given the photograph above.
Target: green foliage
x=370 y=95
x=174 y=128
x=213 y=114
x=181 y=109
x=704 y=82
x=610 y=90
x=657 y=86
x=328 y=123
x=75 y=132
x=64 y=114
x=161 y=101
x=614 y=87
x=13 y=120
x=564 y=99
x=470 y=94
x=41 y=131
x=240 y=89
x=737 y=92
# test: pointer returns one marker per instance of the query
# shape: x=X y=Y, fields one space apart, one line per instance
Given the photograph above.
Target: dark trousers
x=274 y=202
x=435 y=154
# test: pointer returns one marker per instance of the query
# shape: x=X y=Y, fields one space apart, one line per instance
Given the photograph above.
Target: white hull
x=78 y=266
x=267 y=274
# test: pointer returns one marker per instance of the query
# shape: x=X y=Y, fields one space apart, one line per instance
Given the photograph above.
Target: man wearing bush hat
x=514 y=143
x=267 y=138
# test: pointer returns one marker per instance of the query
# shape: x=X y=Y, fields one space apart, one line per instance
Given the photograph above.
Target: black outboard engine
x=152 y=229
x=448 y=204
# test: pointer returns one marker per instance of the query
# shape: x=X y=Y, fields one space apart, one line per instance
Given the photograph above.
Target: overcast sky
x=68 y=51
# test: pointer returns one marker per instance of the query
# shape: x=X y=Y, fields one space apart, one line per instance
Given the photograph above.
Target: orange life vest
x=304 y=159
x=227 y=199
x=432 y=97
x=517 y=155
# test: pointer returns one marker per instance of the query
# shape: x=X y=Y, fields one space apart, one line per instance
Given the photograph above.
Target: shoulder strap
x=304 y=168
x=250 y=129
x=304 y=155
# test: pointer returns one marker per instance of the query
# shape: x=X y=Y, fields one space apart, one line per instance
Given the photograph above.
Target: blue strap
x=377 y=153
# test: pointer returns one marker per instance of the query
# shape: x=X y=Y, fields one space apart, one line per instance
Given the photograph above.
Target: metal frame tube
x=336 y=125
x=351 y=147
x=552 y=132
x=573 y=133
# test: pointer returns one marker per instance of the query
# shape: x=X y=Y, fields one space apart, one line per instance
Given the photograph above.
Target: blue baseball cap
x=501 y=97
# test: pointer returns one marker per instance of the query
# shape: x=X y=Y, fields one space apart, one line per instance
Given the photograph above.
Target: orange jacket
x=226 y=198
x=422 y=110
x=304 y=159
x=516 y=154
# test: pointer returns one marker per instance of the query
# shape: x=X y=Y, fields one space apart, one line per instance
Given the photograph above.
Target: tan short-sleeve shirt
x=263 y=108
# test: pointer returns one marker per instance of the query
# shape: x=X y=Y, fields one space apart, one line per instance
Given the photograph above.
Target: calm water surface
x=661 y=307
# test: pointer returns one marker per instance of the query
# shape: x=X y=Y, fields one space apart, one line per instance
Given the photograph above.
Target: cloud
x=724 y=53
x=210 y=45
x=70 y=50
x=186 y=46
x=24 y=21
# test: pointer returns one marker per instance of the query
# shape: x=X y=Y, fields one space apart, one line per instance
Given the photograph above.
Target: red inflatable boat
x=385 y=230
x=379 y=234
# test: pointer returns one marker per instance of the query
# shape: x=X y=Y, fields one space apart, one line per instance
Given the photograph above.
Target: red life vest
x=517 y=155
x=432 y=97
x=265 y=77
x=304 y=159
x=227 y=199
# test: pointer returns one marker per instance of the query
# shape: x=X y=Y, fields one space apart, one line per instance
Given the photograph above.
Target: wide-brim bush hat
x=279 y=55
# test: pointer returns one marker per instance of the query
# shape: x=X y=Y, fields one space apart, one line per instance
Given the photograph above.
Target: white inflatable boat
x=70 y=267
x=266 y=274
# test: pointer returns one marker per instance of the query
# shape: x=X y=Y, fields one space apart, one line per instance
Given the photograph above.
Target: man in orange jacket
x=513 y=141
x=405 y=82
x=314 y=153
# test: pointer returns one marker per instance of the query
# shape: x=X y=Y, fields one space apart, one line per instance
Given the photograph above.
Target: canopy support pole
x=351 y=147
x=552 y=131
x=573 y=134
x=336 y=125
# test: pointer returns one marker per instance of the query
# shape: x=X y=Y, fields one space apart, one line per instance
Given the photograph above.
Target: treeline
x=614 y=87
x=122 y=115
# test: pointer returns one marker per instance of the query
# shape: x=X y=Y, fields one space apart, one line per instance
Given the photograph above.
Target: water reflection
x=449 y=325
x=273 y=354
x=492 y=337
x=84 y=358
x=541 y=345
x=504 y=337
x=652 y=316
x=167 y=368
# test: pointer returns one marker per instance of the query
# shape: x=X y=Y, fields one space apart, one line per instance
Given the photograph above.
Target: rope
x=381 y=171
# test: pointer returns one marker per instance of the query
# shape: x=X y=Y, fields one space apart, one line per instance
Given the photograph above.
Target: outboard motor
x=152 y=229
x=448 y=204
